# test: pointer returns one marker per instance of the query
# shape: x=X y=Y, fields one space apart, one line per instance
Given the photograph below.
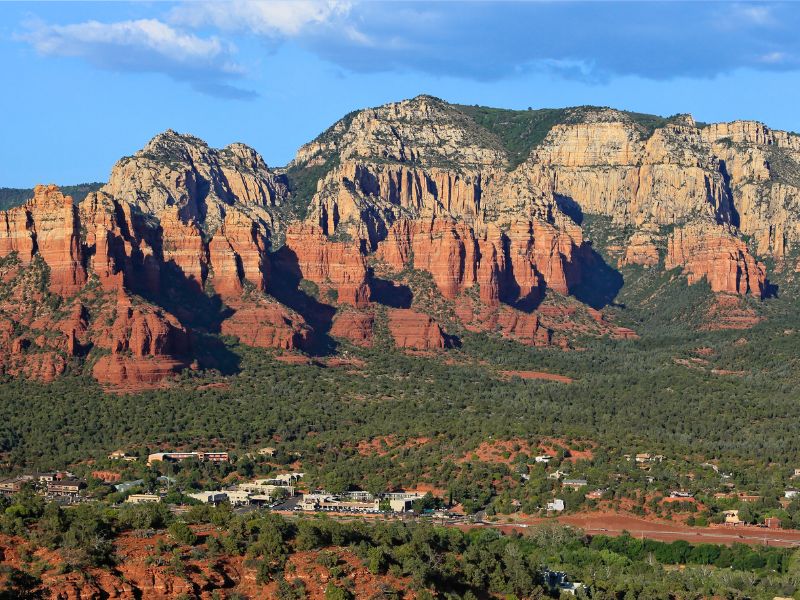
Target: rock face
x=641 y=250
x=144 y=345
x=523 y=327
x=514 y=265
x=712 y=253
x=267 y=325
x=47 y=226
x=336 y=266
x=201 y=183
x=609 y=165
x=354 y=326
x=414 y=330
x=187 y=237
x=238 y=255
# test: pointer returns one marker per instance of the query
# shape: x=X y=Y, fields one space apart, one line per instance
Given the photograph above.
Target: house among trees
x=574 y=484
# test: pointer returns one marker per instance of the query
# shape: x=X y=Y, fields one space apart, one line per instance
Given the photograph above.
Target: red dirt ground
x=228 y=575
x=493 y=452
x=613 y=524
x=537 y=375
x=549 y=446
x=375 y=445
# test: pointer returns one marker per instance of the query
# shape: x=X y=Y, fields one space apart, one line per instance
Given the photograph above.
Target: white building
x=359 y=496
x=266 y=489
x=238 y=497
x=213 y=497
x=557 y=505
x=402 y=495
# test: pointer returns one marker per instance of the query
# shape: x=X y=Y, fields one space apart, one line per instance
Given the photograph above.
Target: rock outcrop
x=145 y=346
x=335 y=266
x=522 y=327
x=267 y=325
x=714 y=254
x=414 y=330
x=238 y=255
x=357 y=327
x=519 y=263
x=47 y=226
x=641 y=249
x=200 y=183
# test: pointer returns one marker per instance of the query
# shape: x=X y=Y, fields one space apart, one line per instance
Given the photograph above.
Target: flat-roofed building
x=142 y=498
x=65 y=487
x=212 y=497
x=238 y=497
x=179 y=456
x=12 y=485
x=267 y=489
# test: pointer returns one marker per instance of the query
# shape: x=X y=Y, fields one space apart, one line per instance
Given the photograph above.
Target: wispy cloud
x=144 y=45
x=276 y=18
x=487 y=40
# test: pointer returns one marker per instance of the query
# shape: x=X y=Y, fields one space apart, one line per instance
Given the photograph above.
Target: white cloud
x=287 y=18
x=753 y=15
x=143 y=45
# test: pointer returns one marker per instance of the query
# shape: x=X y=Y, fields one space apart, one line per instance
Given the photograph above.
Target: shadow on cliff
x=599 y=283
x=390 y=293
x=285 y=287
x=510 y=290
x=201 y=313
x=570 y=208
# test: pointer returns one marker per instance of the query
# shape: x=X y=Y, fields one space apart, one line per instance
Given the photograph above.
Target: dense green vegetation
x=655 y=394
x=11 y=197
x=519 y=130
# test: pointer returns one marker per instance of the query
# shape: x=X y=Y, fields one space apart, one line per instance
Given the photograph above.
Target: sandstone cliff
x=187 y=237
x=181 y=171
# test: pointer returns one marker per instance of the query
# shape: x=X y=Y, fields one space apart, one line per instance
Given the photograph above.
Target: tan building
x=11 y=486
x=179 y=456
x=731 y=517
x=142 y=498
x=64 y=487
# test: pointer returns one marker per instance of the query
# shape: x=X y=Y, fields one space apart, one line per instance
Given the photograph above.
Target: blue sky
x=87 y=83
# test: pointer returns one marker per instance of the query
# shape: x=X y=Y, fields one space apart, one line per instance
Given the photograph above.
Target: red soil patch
x=727 y=372
x=730 y=312
x=551 y=445
x=381 y=445
x=614 y=524
x=366 y=585
x=293 y=359
x=497 y=451
x=338 y=361
x=135 y=576
x=537 y=375
x=434 y=491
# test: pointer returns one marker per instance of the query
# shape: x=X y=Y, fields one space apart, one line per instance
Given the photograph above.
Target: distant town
x=287 y=491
